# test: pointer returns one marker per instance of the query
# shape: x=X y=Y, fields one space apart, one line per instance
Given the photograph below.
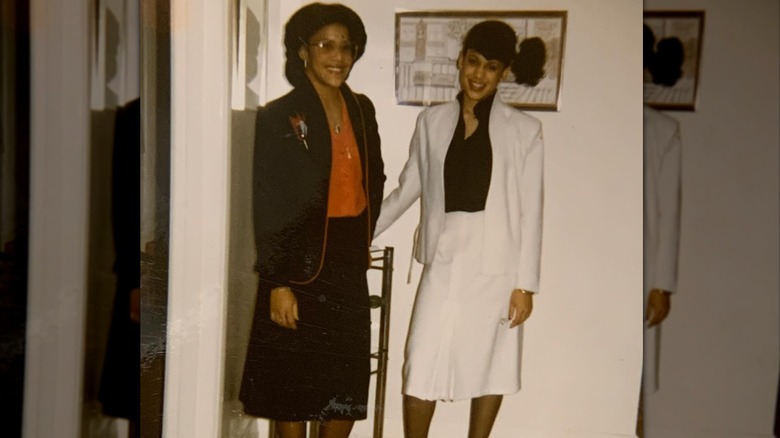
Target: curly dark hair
x=307 y=21
x=528 y=66
x=492 y=39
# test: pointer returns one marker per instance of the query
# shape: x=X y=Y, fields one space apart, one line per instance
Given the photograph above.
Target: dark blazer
x=291 y=182
x=126 y=197
x=120 y=380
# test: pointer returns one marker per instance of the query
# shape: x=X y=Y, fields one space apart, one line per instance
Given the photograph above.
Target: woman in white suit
x=476 y=164
x=662 y=152
x=662 y=162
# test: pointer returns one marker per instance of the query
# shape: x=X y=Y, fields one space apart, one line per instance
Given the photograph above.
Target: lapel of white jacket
x=503 y=141
x=499 y=134
x=442 y=128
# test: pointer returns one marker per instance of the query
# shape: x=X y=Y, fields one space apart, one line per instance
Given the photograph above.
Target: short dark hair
x=492 y=39
x=307 y=21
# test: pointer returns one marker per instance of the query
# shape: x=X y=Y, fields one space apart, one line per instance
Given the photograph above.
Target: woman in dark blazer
x=318 y=182
x=120 y=381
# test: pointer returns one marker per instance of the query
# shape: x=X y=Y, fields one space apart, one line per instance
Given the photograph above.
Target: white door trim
x=59 y=195
x=200 y=152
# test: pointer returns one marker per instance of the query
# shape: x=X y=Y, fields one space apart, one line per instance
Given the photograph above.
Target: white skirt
x=460 y=345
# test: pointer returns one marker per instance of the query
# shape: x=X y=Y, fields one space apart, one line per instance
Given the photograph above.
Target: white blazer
x=513 y=210
x=662 y=152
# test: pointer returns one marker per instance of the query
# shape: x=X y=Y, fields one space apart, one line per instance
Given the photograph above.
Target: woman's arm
x=268 y=205
x=376 y=166
x=270 y=222
x=530 y=174
x=409 y=185
x=668 y=187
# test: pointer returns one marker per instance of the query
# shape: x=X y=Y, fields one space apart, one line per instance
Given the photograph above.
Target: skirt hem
x=459 y=397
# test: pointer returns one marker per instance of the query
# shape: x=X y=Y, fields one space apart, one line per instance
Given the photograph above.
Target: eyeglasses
x=329 y=47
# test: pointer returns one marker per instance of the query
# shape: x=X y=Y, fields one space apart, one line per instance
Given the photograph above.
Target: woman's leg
x=290 y=429
x=336 y=428
x=417 y=416
x=483 y=414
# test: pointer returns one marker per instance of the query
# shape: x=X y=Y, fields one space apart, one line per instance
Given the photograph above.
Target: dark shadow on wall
x=242 y=279
x=13 y=256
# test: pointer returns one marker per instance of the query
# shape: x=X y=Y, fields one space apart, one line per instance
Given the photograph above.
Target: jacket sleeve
x=530 y=180
x=376 y=167
x=126 y=196
x=668 y=195
x=268 y=209
x=409 y=185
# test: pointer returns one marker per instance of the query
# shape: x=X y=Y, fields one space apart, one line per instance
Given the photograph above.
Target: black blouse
x=469 y=162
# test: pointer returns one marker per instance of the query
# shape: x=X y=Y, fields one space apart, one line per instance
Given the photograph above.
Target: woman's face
x=479 y=77
x=329 y=55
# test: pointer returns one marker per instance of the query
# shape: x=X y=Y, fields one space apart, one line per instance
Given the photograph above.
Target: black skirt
x=120 y=382
x=321 y=370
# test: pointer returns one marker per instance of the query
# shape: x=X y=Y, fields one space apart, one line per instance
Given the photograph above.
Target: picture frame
x=688 y=28
x=427 y=44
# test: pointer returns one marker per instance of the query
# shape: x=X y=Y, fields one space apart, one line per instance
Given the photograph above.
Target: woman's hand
x=284 y=307
x=520 y=306
x=658 y=306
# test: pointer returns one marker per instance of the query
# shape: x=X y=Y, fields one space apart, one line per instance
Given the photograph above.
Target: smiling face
x=479 y=77
x=328 y=55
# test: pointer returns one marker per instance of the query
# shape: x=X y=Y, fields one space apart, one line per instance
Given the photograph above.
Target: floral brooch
x=298 y=122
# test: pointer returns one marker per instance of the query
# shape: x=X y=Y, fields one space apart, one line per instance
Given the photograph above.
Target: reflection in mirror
x=111 y=366
x=714 y=370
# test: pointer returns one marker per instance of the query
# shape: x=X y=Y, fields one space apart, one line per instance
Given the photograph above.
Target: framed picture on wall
x=427 y=44
x=673 y=41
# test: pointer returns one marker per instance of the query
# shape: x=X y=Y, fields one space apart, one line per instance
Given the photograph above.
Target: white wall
x=719 y=354
x=582 y=355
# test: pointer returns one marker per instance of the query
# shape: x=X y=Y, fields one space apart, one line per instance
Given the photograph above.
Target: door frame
x=59 y=220
x=200 y=158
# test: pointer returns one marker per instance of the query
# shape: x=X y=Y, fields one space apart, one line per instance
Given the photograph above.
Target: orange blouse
x=347 y=196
